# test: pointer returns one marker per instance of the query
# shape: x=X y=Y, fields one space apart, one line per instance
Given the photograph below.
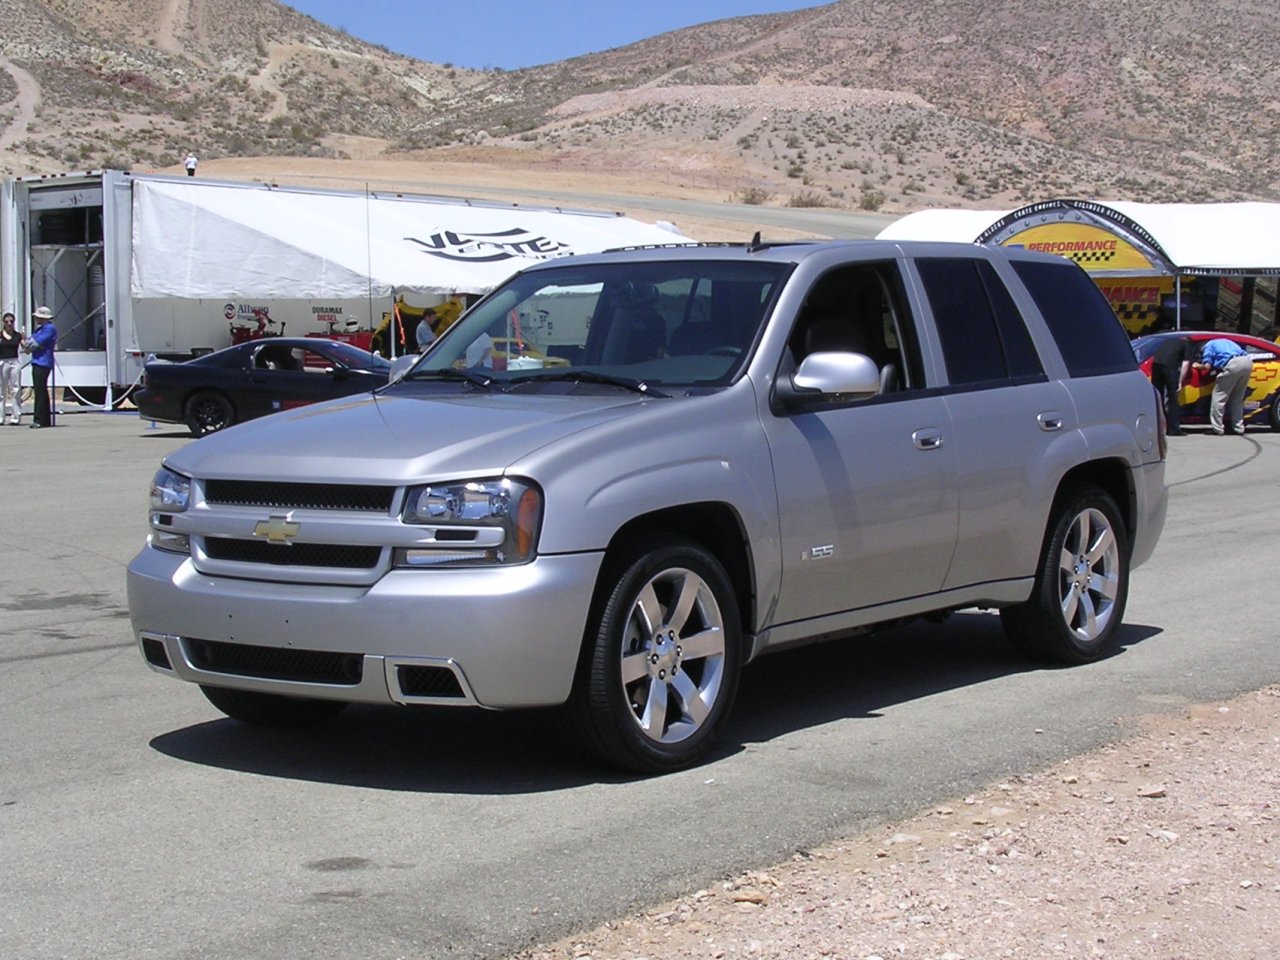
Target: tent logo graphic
x=491 y=247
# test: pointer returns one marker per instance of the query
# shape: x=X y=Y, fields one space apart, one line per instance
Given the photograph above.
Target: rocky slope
x=890 y=105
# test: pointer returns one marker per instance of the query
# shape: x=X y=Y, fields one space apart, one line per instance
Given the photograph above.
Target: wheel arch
x=715 y=525
x=1113 y=476
x=216 y=391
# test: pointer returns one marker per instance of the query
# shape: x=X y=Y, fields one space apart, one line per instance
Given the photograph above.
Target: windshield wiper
x=451 y=373
x=591 y=376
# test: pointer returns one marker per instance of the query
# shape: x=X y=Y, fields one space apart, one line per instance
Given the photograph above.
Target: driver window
x=852 y=310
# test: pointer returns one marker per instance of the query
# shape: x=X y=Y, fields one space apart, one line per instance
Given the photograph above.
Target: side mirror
x=854 y=376
x=400 y=366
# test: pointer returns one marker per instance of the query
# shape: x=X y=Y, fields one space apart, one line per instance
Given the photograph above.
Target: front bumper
x=509 y=635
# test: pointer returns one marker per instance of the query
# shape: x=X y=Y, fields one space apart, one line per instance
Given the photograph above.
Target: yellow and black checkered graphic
x=1091 y=256
x=1137 y=318
x=1135 y=311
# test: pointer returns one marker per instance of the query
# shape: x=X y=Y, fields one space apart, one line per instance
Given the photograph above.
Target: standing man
x=190 y=164
x=1170 y=369
x=1231 y=367
x=426 y=332
x=40 y=345
x=10 y=372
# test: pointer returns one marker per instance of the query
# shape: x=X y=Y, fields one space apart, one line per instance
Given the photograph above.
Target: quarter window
x=1088 y=334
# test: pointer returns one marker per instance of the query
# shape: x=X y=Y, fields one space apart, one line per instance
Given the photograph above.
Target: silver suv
x=618 y=479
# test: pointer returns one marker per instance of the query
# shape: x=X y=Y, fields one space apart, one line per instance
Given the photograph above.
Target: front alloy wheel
x=662 y=666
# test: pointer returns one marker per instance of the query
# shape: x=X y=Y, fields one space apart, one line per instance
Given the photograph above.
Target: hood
x=398 y=439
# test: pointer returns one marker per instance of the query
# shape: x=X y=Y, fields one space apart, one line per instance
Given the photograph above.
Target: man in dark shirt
x=1170 y=368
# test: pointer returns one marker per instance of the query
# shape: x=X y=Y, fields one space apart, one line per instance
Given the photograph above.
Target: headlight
x=170 y=494
x=472 y=522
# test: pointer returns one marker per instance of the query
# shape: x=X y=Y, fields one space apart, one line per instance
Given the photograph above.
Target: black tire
x=1074 y=613
x=270 y=709
x=1273 y=419
x=652 y=696
x=208 y=411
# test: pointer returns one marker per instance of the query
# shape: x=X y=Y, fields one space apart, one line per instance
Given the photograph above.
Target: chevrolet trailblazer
x=620 y=478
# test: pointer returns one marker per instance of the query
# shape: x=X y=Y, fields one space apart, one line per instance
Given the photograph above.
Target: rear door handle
x=928 y=438
x=1049 y=421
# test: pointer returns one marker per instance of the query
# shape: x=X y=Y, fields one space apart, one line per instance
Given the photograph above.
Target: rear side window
x=1088 y=334
x=982 y=335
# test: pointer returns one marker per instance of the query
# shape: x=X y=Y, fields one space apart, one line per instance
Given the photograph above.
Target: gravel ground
x=1165 y=845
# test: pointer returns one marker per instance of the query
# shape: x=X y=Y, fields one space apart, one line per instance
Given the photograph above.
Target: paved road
x=814 y=221
x=719 y=220
x=134 y=822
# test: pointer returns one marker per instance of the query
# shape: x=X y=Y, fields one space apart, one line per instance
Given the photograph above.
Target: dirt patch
x=1163 y=846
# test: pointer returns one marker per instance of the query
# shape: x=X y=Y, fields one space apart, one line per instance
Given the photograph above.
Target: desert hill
x=889 y=106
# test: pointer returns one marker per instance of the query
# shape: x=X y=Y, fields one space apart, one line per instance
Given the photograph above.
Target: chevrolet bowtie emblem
x=278 y=528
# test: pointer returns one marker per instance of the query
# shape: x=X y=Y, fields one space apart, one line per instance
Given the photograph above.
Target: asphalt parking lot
x=137 y=822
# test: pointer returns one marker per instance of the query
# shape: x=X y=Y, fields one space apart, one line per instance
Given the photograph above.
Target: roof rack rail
x=672 y=246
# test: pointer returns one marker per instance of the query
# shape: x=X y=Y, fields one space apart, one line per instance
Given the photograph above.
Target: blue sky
x=511 y=33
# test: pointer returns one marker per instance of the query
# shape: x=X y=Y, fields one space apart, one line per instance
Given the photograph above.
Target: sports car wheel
x=271 y=710
x=1274 y=419
x=661 y=663
x=208 y=411
x=1081 y=586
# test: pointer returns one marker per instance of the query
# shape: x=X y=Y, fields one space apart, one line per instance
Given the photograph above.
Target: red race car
x=1261 y=402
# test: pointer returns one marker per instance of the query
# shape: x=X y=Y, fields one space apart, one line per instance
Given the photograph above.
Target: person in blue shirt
x=40 y=345
x=1231 y=368
x=426 y=332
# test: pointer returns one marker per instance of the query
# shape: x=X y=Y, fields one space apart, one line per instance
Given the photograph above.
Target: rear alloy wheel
x=661 y=669
x=1082 y=584
x=270 y=709
x=208 y=411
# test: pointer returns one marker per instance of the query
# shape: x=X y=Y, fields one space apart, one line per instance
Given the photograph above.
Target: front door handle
x=928 y=438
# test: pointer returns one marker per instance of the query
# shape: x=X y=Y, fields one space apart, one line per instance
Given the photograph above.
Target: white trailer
x=135 y=265
x=66 y=242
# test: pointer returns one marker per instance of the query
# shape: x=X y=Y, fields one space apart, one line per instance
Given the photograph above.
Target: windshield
x=684 y=323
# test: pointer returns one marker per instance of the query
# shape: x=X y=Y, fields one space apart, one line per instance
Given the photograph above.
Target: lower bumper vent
x=274 y=663
x=155 y=653
x=439 y=682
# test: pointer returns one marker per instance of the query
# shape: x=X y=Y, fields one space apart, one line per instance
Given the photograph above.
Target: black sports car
x=253 y=379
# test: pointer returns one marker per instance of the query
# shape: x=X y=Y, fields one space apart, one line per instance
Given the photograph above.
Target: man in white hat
x=40 y=345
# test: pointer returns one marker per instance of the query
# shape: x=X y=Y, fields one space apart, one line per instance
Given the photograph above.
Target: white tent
x=1224 y=239
x=945 y=224
x=211 y=240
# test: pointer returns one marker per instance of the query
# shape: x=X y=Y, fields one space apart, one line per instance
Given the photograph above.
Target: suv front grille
x=274 y=663
x=311 y=496
x=331 y=555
